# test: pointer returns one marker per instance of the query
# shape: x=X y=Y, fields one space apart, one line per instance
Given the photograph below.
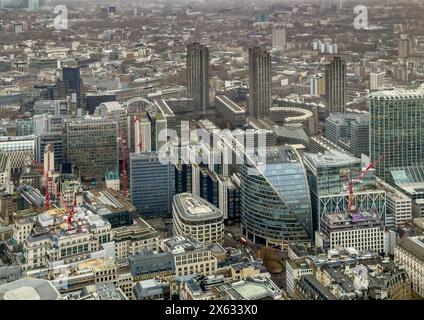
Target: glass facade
x=396 y=131
x=152 y=184
x=92 y=146
x=275 y=200
x=329 y=193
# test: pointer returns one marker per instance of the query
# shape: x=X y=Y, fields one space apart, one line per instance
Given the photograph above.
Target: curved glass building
x=275 y=199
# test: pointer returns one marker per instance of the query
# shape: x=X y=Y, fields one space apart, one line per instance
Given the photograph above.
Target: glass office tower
x=275 y=200
x=396 y=129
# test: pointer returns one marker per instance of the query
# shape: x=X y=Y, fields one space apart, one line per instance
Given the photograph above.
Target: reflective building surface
x=275 y=201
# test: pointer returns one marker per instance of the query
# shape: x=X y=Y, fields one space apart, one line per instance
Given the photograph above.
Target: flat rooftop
x=331 y=158
x=182 y=244
x=194 y=208
x=106 y=201
x=29 y=289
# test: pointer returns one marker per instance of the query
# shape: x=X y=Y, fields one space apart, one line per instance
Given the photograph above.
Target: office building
x=53 y=107
x=335 y=85
x=24 y=127
x=5 y=170
x=260 y=99
x=190 y=256
x=109 y=205
x=327 y=174
x=409 y=180
x=398 y=204
x=91 y=146
x=33 y=5
x=362 y=231
x=93 y=100
x=152 y=184
x=349 y=131
x=151 y=264
x=229 y=198
x=274 y=198
x=56 y=140
x=152 y=289
x=194 y=216
x=133 y=239
x=396 y=130
x=72 y=77
x=21 y=151
x=198 y=75
x=409 y=252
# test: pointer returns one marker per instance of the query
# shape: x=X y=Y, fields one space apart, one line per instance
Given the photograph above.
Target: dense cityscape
x=211 y=150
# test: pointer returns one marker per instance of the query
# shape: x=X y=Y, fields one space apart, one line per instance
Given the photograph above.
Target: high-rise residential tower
x=198 y=75
x=260 y=99
x=396 y=129
x=335 y=85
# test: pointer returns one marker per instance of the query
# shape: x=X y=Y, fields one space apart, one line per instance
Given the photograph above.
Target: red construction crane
x=70 y=212
x=124 y=167
x=140 y=136
x=48 y=183
x=352 y=183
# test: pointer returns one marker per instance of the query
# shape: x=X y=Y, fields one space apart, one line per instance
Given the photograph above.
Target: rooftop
x=29 y=289
x=182 y=244
x=414 y=245
x=331 y=158
x=194 y=208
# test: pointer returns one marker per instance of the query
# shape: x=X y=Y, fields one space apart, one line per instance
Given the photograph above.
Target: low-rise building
x=409 y=252
x=190 y=256
x=135 y=238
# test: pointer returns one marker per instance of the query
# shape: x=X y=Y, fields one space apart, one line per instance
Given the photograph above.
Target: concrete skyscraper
x=396 y=130
x=335 y=85
x=260 y=99
x=198 y=75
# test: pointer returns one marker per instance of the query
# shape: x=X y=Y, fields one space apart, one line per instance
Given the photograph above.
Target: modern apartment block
x=198 y=75
x=260 y=99
x=335 y=85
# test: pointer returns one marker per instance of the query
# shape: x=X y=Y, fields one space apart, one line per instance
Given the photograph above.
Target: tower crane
x=352 y=183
